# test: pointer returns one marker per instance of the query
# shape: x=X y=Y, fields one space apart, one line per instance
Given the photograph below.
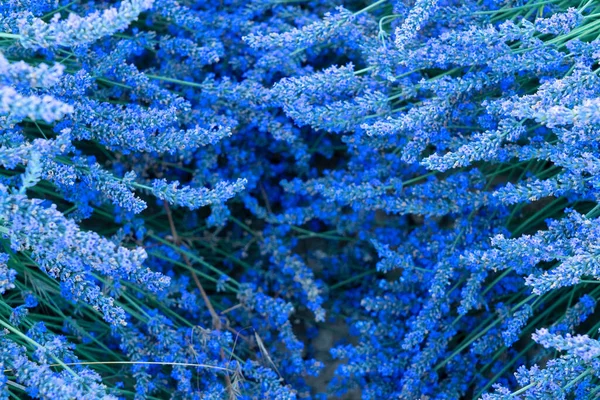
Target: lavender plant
x=195 y=195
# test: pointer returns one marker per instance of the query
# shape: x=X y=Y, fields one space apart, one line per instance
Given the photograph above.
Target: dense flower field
x=193 y=192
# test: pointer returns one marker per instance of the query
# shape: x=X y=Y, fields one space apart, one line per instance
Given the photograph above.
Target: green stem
x=178 y=81
x=192 y=257
x=523 y=389
x=352 y=279
x=10 y=35
x=580 y=377
x=368 y=8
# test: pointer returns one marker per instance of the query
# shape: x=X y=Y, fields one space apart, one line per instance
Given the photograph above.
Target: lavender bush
x=192 y=192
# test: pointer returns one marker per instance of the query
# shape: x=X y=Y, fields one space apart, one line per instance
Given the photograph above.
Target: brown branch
x=216 y=321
